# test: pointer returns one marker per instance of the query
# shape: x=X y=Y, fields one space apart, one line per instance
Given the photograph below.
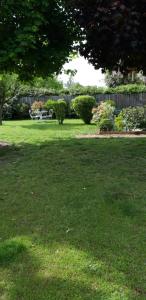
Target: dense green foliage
x=19 y=111
x=16 y=111
x=83 y=106
x=104 y=114
x=48 y=83
x=9 y=88
x=60 y=107
x=119 y=123
x=49 y=104
x=113 y=33
x=130 y=118
x=105 y=125
x=113 y=79
x=133 y=117
x=73 y=216
x=36 y=37
x=93 y=90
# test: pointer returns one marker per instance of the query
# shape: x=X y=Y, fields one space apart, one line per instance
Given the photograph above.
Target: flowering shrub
x=37 y=105
x=132 y=117
x=105 y=110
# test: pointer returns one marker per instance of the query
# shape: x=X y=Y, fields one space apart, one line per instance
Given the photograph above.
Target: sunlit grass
x=72 y=214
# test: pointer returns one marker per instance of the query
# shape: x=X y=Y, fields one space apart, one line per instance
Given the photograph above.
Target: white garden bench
x=41 y=115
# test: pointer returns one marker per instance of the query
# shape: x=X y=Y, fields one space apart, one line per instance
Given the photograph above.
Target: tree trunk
x=1 y=113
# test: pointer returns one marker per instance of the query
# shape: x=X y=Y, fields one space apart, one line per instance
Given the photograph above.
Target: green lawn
x=72 y=214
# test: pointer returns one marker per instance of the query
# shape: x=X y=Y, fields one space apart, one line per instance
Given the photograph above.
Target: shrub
x=20 y=110
x=49 y=104
x=37 y=105
x=111 y=102
x=106 y=125
x=91 y=90
x=104 y=111
x=60 y=107
x=7 y=111
x=132 y=117
x=119 y=123
x=83 y=106
x=143 y=125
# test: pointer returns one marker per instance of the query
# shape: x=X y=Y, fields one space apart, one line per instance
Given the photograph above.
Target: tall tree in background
x=113 y=79
x=36 y=37
x=50 y=83
x=113 y=32
x=71 y=74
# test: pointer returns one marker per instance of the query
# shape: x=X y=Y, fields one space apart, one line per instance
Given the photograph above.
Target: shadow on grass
x=70 y=192
x=25 y=281
x=41 y=125
x=9 y=250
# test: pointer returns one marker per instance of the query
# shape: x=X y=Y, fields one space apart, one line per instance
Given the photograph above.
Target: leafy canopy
x=113 y=32
x=36 y=37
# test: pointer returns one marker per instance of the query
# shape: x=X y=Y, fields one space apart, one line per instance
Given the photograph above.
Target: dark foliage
x=113 y=32
x=36 y=37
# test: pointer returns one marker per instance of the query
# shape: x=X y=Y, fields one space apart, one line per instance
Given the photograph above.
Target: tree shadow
x=51 y=125
x=69 y=193
x=25 y=281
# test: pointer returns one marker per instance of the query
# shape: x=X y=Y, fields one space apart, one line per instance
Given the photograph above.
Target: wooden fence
x=121 y=100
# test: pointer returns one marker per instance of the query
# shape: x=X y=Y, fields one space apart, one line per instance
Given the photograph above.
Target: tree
x=9 y=87
x=47 y=83
x=36 y=37
x=113 y=33
x=113 y=79
x=71 y=74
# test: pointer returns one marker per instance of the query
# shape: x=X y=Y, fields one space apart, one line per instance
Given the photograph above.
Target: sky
x=86 y=74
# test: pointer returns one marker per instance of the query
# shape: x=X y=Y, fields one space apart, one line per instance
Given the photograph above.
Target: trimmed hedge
x=87 y=90
x=60 y=110
x=83 y=106
x=91 y=90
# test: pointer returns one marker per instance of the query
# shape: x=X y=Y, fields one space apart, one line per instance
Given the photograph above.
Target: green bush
x=129 y=89
x=119 y=123
x=106 y=125
x=132 y=117
x=60 y=107
x=105 y=110
x=143 y=125
x=93 y=90
x=20 y=111
x=7 y=111
x=49 y=104
x=83 y=106
x=110 y=102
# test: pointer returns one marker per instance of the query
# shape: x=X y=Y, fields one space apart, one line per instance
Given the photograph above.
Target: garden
x=72 y=208
x=106 y=116
x=72 y=201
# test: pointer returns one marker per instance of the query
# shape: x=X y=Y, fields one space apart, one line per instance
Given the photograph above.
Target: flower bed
x=122 y=133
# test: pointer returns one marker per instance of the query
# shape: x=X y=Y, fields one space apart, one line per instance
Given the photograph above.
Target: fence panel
x=121 y=100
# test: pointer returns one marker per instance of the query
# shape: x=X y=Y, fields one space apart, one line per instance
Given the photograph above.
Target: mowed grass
x=72 y=214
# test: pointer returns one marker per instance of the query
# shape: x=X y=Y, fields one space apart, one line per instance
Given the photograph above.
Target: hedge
x=122 y=89
x=87 y=90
